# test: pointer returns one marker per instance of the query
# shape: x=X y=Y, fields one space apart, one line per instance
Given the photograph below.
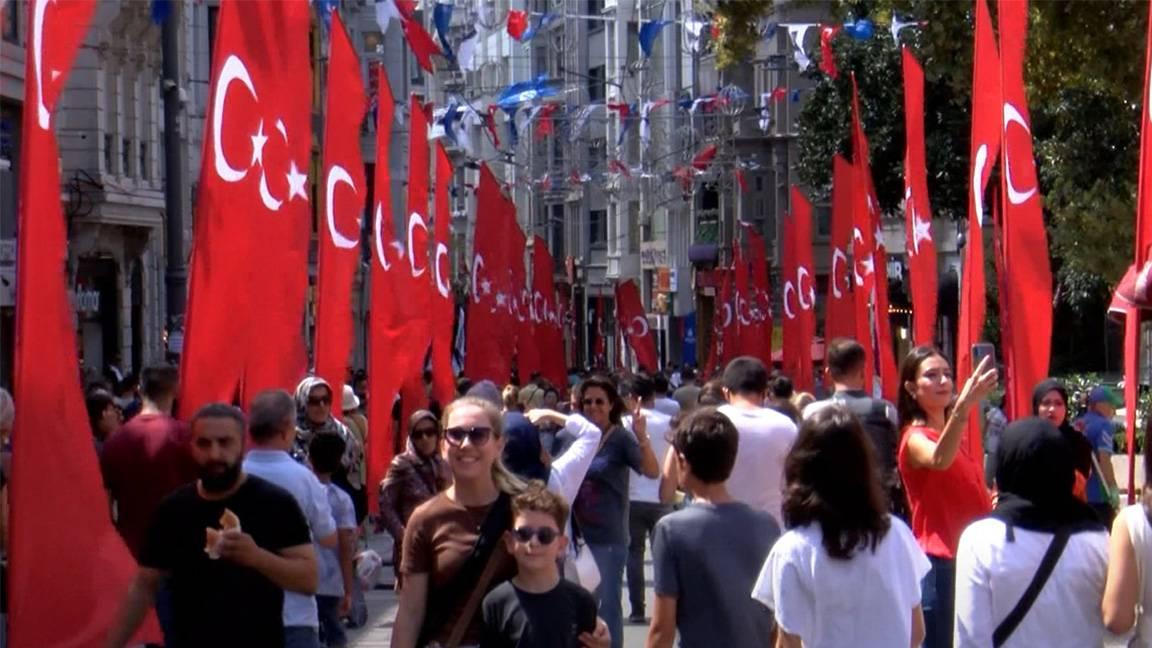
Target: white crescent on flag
x=336 y=175
x=232 y=70
x=415 y=220
x=477 y=264
x=642 y=330
x=838 y=257
x=1011 y=114
x=788 y=286
x=801 y=273
x=443 y=286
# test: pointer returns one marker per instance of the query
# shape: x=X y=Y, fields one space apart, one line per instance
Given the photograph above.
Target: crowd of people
x=520 y=519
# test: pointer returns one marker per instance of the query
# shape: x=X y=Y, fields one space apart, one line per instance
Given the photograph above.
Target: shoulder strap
x=1043 y=572
x=474 y=599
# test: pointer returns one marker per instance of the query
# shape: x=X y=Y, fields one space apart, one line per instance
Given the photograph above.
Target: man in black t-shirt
x=228 y=572
x=537 y=608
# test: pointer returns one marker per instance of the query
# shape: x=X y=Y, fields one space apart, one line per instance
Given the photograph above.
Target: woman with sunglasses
x=943 y=480
x=414 y=477
x=314 y=416
x=601 y=506
x=453 y=553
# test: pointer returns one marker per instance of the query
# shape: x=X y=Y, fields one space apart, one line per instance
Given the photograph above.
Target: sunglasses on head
x=319 y=400
x=477 y=436
x=595 y=401
x=421 y=432
x=544 y=535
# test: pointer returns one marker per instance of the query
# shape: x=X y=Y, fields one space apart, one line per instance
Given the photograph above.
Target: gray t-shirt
x=708 y=557
x=601 y=506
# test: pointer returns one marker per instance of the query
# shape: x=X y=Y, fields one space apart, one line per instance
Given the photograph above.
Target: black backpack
x=873 y=416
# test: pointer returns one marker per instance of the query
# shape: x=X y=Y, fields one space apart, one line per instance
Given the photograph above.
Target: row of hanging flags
x=253 y=226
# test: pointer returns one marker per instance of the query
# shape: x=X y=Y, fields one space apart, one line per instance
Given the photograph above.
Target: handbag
x=579 y=564
x=1043 y=572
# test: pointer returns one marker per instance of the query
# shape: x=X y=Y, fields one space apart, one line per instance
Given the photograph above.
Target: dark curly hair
x=609 y=387
x=831 y=479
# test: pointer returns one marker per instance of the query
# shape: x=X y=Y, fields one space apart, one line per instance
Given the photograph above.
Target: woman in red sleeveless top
x=944 y=482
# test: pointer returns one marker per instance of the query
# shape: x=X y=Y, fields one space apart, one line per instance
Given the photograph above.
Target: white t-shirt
x=866 y=601
x=647 y=489
x=766 y=436
x=666 y=406
x=1140 y=535
x=992 y=574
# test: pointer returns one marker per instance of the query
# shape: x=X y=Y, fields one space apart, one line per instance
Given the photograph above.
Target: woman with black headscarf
x=1001 y=557
x=1050 y=402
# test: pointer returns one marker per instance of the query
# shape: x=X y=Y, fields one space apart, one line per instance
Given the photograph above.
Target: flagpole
x=176 y=272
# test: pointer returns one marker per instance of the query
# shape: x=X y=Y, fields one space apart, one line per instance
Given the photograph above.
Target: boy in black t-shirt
x=537 y=608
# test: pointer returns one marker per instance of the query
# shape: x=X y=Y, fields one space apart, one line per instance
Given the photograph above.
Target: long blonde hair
x=505 y=481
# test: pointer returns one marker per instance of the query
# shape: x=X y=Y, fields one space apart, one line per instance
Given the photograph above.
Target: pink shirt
x=942 y=502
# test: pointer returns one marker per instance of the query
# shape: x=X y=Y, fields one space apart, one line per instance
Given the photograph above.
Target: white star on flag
x=879 y=238
x=486 y=287
x=921 y=231
x=258 y=142
x=501 y=299
x=296 y=182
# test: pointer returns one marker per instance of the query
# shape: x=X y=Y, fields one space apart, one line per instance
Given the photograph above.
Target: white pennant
x=797 y=32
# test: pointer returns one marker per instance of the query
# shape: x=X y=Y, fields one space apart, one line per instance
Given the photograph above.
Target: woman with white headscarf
x=314 y=398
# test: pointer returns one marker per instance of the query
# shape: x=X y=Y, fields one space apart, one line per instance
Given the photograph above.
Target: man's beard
x=214 y=480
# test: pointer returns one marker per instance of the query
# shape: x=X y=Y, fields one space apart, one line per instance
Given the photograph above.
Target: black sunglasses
x=545 y=535
x=421 y=432
x=477 y=436
x=595 y=401
x=322 y=400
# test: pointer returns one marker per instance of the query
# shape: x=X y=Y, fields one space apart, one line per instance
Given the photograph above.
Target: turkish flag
x=443 y=306
x=799 y=326
x=723 y=327
x=520 y=304
x=919 y=246
x=546 y=315
x=343 y=195
x=254 y=210
x=1143 y=242
x=599 y=347
x=756 y=335
x=59 y=594
x=420 y=42
x=488 y=328
x=839 y=309
x=983 y=149
x=633 y=324
x=383 y=319
x=1029 y=293
x=744 y=337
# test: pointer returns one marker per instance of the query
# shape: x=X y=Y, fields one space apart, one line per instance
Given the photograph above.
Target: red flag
x=520 y=304
x=743 y=337
x=517 y=23
x=920 y=247
x=254 y=210
x=741 y=181
x=489 y=340
x=863 y=240
x=1144 y=269
x=1029 y=292
x=827 y=57
x=983 y=149
x=704 y=158
x=58 y=595
x=760 y=297
x=420 y=42
x=799 y=326
x=723 y=329
x=599 y=347
x=409 y=360
x=839 y=311
x=549 y=335
x=444 y=306
x=633 y=324
x=339 y=253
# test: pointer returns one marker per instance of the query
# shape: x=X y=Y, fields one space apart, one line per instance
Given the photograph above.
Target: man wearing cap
x=1097 y=426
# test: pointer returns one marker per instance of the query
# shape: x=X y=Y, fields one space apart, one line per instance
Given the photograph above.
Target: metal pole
x=176 y=273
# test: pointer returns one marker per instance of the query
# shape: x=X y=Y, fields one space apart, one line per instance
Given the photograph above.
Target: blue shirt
x=331 y=578
x=1099 y=431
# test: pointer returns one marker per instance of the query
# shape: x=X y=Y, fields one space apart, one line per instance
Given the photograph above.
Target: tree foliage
x=1084 y=71
x=738 y=29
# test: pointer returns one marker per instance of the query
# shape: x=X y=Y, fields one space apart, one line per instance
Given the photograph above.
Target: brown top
x=437 y=541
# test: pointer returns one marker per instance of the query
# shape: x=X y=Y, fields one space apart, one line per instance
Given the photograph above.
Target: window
x=125 y=156
x=109 y=154
x=213 y=17
x=595 y=8
x=143 y=160
x=11 y=20
x=598 y=228
x=556 y=224
x=823 y=215
x=596 y=83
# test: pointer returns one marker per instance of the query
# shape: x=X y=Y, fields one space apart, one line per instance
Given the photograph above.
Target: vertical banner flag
x=343 y=195
x=1143 y=267
x=1029 y=292
x=863 y=242
x=632 y=323
x=254 y=210
x=839 y=310
x=382 y=386
x=520 y=303
x=983 y=150
x=723 y=328
x=799 y=293
x=58 y=595
x=549 y=335
x=487 y=358
x=919 y=246
x=744 y=340
x=444 y=306
x=759 y=333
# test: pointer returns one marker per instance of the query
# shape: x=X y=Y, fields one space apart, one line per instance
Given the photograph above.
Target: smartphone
x=980 y=350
